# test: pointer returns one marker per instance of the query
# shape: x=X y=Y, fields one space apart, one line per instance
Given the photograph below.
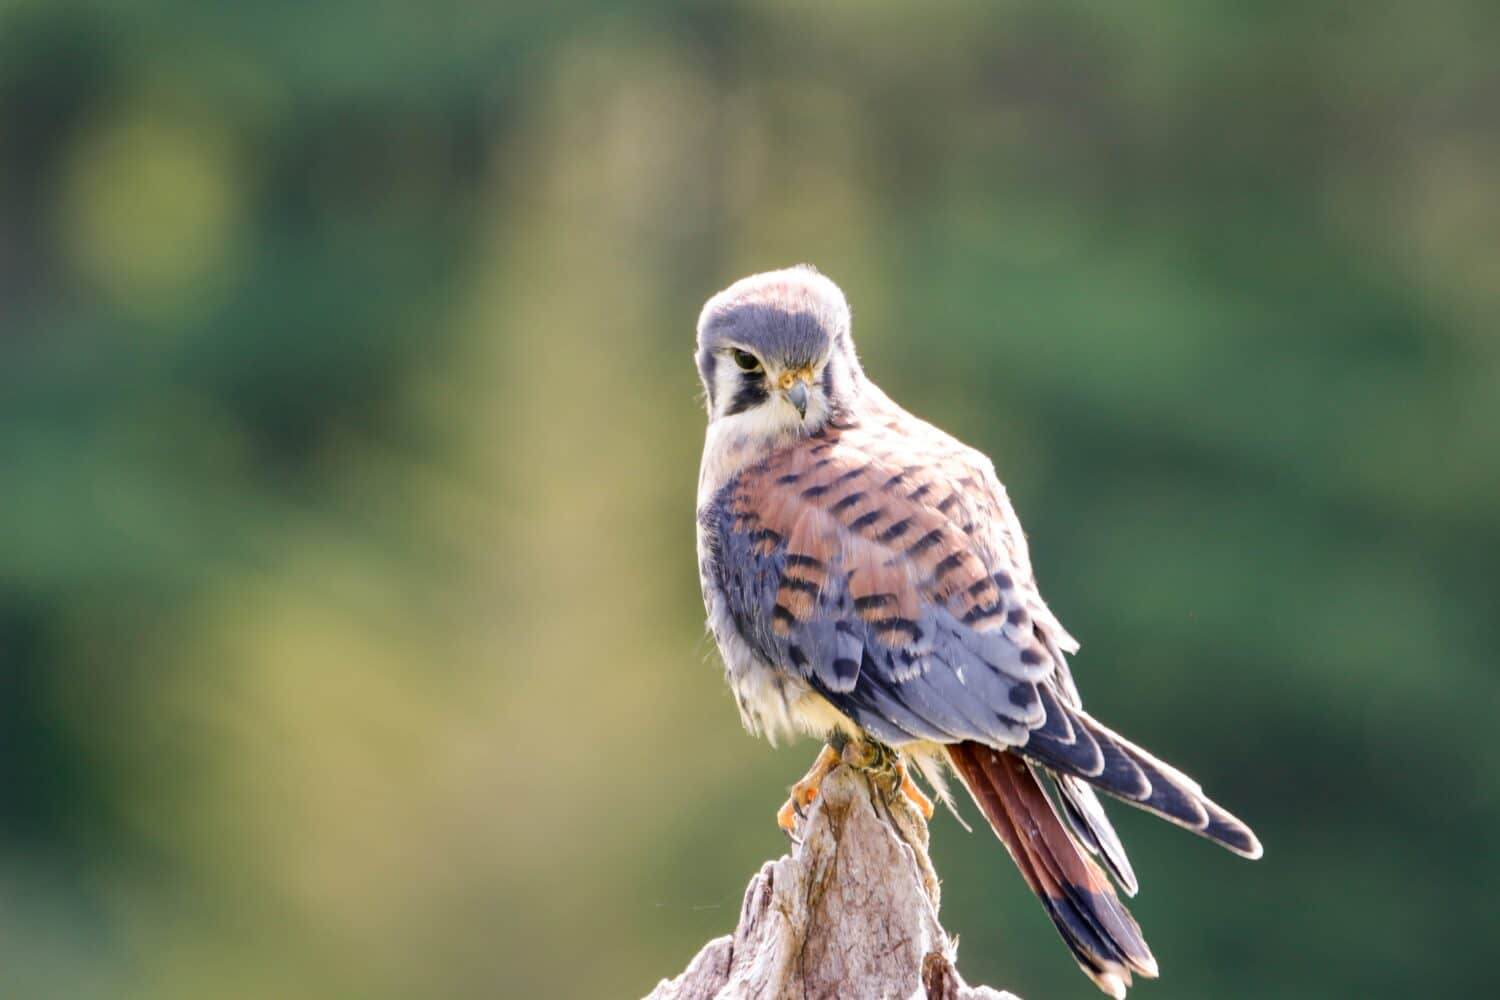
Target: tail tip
x=1232 y=833
x=1237 y=837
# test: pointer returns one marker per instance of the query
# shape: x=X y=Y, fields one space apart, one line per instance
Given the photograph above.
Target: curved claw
x=805 y=790
x=786 y=816
x=913 y=794
x=860 y=754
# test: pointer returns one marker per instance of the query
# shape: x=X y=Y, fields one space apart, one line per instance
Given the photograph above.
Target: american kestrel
x=868 y=583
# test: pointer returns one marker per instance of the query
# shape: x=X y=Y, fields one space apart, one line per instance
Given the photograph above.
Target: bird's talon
x=913 y=794
x=804 y=791
x=786 y=817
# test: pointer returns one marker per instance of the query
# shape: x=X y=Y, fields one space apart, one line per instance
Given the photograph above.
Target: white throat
x=735 y=442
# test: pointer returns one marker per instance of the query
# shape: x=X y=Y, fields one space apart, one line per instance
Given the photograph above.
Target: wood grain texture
x=852 y=912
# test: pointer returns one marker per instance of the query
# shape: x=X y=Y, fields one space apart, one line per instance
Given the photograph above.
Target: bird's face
x=769 y=390
x=774 y=353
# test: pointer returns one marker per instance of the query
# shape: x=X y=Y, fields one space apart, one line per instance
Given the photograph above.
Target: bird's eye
x=746 y=361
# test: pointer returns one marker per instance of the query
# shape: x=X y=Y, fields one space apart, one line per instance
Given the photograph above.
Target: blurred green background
x=350 y=636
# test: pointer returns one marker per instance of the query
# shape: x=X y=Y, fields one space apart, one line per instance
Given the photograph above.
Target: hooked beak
x=797 y=396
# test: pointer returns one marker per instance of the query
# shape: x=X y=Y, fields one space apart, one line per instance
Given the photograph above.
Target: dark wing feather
x=1086 y=818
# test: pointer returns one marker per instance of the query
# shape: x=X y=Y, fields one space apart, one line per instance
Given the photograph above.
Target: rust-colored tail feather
x=1075 y=891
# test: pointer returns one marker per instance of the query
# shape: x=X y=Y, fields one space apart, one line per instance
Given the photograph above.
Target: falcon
x=868 y=583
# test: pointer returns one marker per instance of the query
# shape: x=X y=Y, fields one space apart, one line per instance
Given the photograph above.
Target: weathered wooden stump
x=852 y=912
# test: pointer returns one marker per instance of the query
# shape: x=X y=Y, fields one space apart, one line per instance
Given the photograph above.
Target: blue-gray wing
x=898 y=589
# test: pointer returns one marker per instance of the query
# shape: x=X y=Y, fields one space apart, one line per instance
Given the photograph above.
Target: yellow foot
x=861 y=755
x=804 y=791
x=914 y=794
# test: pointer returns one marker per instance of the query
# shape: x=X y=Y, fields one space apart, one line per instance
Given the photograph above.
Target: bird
x=867 y=582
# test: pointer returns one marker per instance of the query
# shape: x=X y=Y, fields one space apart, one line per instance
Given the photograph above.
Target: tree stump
x=852 y=912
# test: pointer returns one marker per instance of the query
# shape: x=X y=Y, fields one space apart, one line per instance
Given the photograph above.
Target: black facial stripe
x=751 y=393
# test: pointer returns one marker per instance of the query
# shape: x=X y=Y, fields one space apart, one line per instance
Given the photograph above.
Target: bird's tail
x=1073 y=743
x=1077 y=894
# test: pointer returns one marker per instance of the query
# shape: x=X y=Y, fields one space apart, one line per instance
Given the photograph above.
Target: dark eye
x=747 y=361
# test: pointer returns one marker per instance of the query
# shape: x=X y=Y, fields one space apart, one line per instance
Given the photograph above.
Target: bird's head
x=775 y=355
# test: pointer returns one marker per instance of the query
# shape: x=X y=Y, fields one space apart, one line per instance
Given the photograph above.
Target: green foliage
x=350 y=641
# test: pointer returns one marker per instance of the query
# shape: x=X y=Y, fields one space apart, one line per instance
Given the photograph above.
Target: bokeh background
x=350 y=641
